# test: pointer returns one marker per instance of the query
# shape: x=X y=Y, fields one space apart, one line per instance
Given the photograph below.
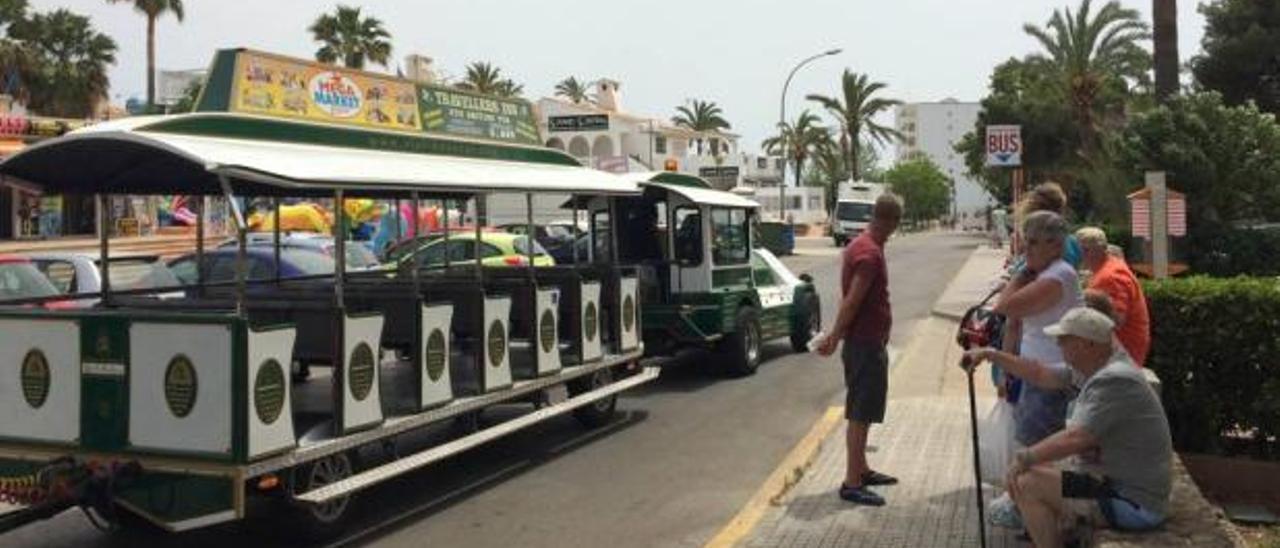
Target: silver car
x=74 y=273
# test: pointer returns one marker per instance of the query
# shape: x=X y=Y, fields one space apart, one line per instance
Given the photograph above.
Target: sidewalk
x=925 y=442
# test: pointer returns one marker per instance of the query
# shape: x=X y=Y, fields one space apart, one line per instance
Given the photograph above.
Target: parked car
x=564 y=254
x=397 y=250
x=73 y=273
x=19 y=279
x=220 y=264
x=550 y=236
x=496 y=249
x=359 y=256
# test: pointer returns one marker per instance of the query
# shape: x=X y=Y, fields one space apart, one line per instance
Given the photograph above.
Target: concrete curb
x=940 y=307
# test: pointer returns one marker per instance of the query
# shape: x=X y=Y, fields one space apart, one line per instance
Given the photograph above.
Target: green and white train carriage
x=705 y=282
x=180 y=410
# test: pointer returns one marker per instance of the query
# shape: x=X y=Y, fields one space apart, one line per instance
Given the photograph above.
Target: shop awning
x=123 y=157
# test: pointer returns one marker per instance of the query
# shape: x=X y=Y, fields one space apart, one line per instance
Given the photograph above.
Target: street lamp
x=782 y=121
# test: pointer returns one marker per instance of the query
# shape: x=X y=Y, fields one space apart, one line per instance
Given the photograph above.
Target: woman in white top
x=1037 y=298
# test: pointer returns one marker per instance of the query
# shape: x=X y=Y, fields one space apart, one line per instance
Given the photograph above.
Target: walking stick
x=975 y=331
x=977 y=462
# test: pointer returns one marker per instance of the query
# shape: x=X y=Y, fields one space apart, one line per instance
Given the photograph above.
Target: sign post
x=1159 y=224
x=1004 y=149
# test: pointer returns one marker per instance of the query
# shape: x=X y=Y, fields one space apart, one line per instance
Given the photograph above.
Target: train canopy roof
x=186 y=154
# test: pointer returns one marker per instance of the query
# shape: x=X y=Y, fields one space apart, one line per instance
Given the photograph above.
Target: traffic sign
x=1004 y=146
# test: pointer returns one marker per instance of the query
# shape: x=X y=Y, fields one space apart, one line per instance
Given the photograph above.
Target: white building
x=934 y=129
x=603 y=135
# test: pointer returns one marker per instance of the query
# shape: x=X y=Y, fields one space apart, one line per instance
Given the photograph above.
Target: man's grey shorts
x=866 y=375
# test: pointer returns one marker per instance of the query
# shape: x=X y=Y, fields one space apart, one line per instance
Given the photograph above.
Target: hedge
x=1216 y=349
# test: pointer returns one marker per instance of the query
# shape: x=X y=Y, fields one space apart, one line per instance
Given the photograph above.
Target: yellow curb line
x=787 y=474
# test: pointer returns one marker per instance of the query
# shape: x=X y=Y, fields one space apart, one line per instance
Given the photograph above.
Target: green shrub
x=1225 y=251
x=1216 y=349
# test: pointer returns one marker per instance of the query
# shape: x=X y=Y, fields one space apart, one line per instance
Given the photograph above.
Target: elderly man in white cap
x=1117 y=437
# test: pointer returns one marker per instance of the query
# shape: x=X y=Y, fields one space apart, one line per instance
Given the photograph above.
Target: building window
x=659 y=144
x=762 y=163
x=729 y=235
x=715 y=147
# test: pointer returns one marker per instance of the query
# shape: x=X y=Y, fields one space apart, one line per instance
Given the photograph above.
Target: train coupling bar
x=62 y=484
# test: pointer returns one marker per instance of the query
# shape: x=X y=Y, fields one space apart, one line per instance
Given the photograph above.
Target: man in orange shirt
x=1111 y=275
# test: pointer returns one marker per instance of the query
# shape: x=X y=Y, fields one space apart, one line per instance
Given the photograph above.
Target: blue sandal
x=860 y=495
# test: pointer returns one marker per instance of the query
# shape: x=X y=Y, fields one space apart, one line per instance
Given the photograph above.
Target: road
x=688 y=451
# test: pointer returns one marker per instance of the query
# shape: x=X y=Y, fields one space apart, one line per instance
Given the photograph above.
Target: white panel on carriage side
x=361 y=398
x=40 y=398
x=629 y=310
x=547 y=334
x=161 y=414
x=437 y=386
x=270 y=413
x=496 y=373
x=590 y=313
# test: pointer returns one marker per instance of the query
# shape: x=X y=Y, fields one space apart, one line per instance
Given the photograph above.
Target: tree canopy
x=1241 y=57
x=924 y=188
x=700 y=116
x=68 y=74
x=572 y=89
x=1225 y=158
x=797 y=141
x=484 y=77
x=1024 y=92
x=855 y=110
x=1094 y=55
x=348 y=36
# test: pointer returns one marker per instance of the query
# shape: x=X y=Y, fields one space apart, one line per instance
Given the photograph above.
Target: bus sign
x=1004 y=146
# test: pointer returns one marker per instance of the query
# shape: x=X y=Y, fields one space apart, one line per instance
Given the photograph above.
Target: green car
x=496 y=249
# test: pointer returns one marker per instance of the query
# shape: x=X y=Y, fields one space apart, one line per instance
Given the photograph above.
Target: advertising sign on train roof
x=252 y=82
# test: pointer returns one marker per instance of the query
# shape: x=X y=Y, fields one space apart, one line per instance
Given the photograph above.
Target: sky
x=736 y=53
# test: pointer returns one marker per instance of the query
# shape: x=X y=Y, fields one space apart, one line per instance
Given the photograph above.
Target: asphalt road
x=686 y=453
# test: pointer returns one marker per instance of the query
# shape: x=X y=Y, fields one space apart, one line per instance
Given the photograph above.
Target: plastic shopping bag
x=996 y=443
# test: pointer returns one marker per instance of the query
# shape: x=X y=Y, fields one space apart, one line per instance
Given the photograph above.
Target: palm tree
x=572 y=89
x=1090 y=51
x=1165 y=15
x=154 y=9
x=508 y=88
x=70 y=78
x=351 y=38
x=855 y=110
x=700 y=116
x=483 y=77
x=17 y=60
x=797 y=141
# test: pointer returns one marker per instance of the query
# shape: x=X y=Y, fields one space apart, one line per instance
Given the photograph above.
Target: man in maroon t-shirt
x=863 y=323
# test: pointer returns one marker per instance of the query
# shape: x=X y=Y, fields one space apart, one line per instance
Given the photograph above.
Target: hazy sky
x=663 y=51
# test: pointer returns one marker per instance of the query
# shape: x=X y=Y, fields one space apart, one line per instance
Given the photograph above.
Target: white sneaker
x=1002 y=512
